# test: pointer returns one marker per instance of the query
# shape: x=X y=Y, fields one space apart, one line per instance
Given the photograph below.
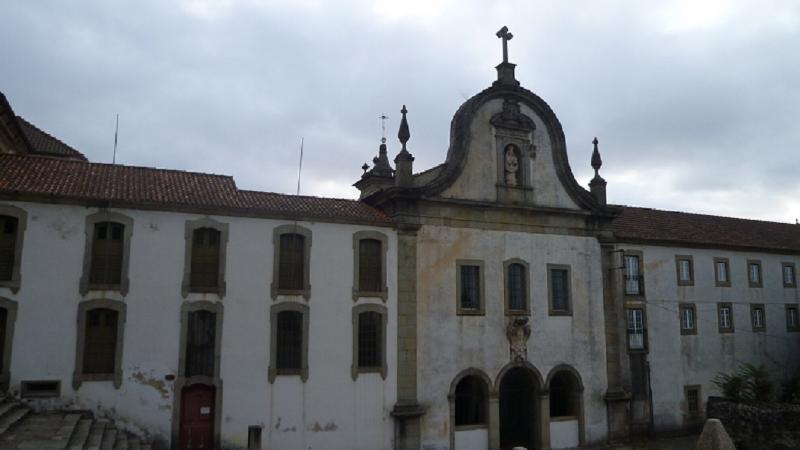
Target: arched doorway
x=519 y=406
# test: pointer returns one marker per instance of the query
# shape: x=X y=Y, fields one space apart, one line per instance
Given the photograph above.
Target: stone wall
x=762 y=427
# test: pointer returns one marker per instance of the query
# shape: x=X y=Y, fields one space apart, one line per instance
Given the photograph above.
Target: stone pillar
x=544 y=420
x=494 y=421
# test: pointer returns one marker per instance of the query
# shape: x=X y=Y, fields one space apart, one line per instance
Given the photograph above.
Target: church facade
x=486 y=303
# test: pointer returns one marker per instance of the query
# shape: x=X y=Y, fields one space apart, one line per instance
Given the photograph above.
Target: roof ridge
x=705 y=215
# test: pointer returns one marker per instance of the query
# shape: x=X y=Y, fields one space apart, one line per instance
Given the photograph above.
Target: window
x=792 y=318
x=564 y=395
x=40 y=389
x=754 y=273
x=369 y=340
x=788 y=275
x=200 y=343
x=636 y=330
x=12 y=229
x=758 y=317
x=469 y=274
x=107 y=251
x=693 y=401
x=516 y=287
x=100 y=336
x=291 y=263
x=725 y=317
x=688 y=319
x=721 y=272
x=684 y=266
x=8 y=316
x=634 y=281
x=559 y=289
x=204 y=257
x=471 y=396
x=369 y=268
x=289 y=340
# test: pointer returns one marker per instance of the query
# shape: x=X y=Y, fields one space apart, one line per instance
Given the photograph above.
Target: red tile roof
x=680 y=228
x=42 y=178
x=46 y=144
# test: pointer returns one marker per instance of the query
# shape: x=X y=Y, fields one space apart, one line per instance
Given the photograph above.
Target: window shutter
x=291 y=269
x=369 y=339
x=100 y=341
x=205 y=259
x=107 y=248
x=289 y=343
x=370 y=271
x=8 y=242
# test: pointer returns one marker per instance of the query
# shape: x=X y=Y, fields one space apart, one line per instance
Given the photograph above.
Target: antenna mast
x=116 y=133
x=300 y=168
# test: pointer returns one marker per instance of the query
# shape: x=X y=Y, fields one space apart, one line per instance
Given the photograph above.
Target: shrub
x=749 y=384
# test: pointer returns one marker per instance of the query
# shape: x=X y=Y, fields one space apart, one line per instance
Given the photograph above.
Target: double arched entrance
x=519 y=409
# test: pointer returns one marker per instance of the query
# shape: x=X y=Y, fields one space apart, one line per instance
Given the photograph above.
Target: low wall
x=758 y=427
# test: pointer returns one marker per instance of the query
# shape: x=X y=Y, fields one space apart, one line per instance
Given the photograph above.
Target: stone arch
x=561 y=368
x=565 y=373
x=512 y=365
x=451 y=398
x=466 y=372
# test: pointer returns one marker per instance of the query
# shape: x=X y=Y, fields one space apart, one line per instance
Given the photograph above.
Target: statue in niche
x=518 y=331
x=511 y=159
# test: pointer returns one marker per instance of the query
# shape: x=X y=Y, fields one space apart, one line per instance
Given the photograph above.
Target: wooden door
x=197 y=417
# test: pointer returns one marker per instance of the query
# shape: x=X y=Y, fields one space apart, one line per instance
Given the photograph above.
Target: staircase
x=23 y=429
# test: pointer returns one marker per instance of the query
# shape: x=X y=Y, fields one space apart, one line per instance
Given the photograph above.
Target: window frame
x=481 y=310
x=731 y=328
x=796 y=308
x=275 y=290
x=639 y=255
x=690 y=259
x=273 y=371
x=644 y=348
x=91 y=221
x=526 y=311
x=681 y=308
x=793 y=284
x=355 y=369
x=551 y=310
x=84 y=307
x=750 y=282
x=358 y=293
x=190 y=227
x=21 y=215
x=717 y=281
x=693 y=415
x=763 y=309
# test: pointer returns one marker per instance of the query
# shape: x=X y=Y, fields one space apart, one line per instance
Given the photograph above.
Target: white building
x=487 y=302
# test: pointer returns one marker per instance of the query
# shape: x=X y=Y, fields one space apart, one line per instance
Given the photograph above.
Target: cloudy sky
x=696 y=103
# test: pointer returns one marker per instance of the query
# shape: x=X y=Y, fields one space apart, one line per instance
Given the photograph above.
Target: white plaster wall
x=329 y=411
x=676 y=360
x=564 y=434
x=479 y=177
x=449 y=343
x=477 y=439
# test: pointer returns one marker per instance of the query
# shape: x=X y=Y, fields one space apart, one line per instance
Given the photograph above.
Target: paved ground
x=678 y=443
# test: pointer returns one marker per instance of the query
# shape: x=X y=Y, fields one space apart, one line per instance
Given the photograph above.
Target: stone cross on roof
x=505 y=36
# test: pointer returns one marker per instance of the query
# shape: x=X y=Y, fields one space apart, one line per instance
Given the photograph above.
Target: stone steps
x=23 y=429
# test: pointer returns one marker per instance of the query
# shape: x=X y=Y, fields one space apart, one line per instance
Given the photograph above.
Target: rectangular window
x=470 y=287
x=291 y=261
x=200 y=343
x=39 y=389
x=636 y=331
x=685 y=270
x=633 y=276
x=792 y=318
x=107 y=248
x=288 y=354
x=370 y=273
x=788 y=275
x=289 y=345
x=725 y=317
x=692 y=399
x=516 y=274
x=100 y=342
x=370 y=337
x=722 y=272
x=754 y=273
x=8 y=243
x=205 y=260
x=559 y=288
x=688 y=319
x=758 y=318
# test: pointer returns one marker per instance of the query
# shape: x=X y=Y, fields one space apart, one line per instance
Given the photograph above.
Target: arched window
x=205 y=260
x=564 y=395
x=471 y=401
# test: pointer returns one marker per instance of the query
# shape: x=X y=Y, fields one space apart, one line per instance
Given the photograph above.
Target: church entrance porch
x=519 y=406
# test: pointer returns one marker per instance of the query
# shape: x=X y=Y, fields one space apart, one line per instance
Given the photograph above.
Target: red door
x=197 y=417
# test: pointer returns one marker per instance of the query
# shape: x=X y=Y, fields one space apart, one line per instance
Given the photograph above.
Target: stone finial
x=404 y=160
x=505 y=36
x=365 y=167
x=598 y=185
x=505 y=70
x=403 y=133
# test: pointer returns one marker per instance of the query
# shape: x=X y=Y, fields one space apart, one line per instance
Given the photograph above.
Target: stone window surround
x=355 y=370
x=640 y=255
x=11 y=318
x=15 y=282
x=84 y=307
x=750 y=282
x=794 y=275
x=215 y=381
x=191 y=226
x=796 y=308
x=717 y=282
x=678 y=259
x=720 y=328
x=384 y=240
x=481 y=310
x=91 y=221
x=693 y=415
x=276 y=308
x=753 y=307
x=517 y=312
x=275 y=291
x=681 y=308
x=559 y=312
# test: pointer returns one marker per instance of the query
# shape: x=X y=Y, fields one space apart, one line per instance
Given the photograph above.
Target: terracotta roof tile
x=78 y=181
x=46 y=144
x=680 y=228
